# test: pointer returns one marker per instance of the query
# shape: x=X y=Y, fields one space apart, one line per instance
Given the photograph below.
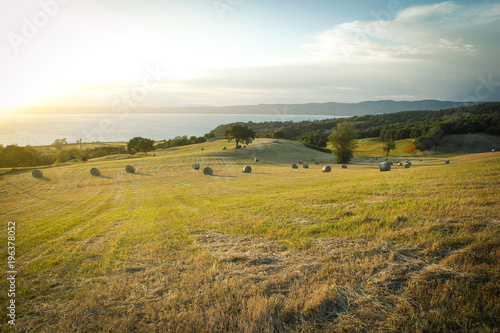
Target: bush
x=14 y=156
x=324 y=150
x=99 y=153
x=68 y=155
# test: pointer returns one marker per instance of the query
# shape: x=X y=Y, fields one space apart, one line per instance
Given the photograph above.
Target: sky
x=152 y=53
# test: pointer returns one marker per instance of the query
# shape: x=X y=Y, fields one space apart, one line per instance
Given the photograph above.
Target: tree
x=317 y=139
x=68 y=155
x=240 y=133
x=389 y=145
x=15 y=156
x=58 y=143
x=343 y=141
x=209 y=136
x=139 y=144
x=278 y=135
x=387 y=137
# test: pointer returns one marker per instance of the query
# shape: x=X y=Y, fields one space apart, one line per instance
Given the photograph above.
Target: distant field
x=451 y=144
x=84 y=146
x=278 y=249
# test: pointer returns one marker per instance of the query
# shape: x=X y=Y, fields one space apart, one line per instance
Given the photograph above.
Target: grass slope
x=451 y=144
x=169 y=249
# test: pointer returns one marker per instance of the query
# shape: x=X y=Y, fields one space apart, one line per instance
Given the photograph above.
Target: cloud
x=443 y=51
x=416 y=33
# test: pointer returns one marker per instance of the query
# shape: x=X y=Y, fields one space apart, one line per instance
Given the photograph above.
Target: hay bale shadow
x=105 y=177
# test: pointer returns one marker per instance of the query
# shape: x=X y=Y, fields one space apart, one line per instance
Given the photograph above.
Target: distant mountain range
x=331 y=108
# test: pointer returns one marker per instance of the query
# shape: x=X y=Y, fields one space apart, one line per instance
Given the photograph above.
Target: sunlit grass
x=276 y=249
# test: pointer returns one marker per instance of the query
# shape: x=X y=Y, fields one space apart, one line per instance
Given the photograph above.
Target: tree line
x=419 y=125
x=425 y=127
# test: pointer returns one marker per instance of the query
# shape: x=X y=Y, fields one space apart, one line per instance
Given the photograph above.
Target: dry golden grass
x=279 y=250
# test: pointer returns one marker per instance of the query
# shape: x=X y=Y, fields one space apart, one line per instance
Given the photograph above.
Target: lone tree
x=139 y=144
x=389 y=145
x=387 y=137
x=240 y=133
x=278 y=135
x=343 y=141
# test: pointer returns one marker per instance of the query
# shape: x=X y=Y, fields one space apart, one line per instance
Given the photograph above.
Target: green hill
x=451 y=144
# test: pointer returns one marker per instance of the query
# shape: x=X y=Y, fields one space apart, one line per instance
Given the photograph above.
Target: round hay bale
x=37 y=173
x=295 y=166
x=130 y=169
x=384 y=166
x=397 y=162
x=344 y=166
x=154 y=155
x=447 y=162
x=421 y=160
x=208 y=171
x=224 y=148
x=493 y=150
x=244 y=146
x=305 y=166
x=196 y=166
x=256 y=159
x=407 y=161
x=407 y=165
x=95 y=172
x=247 y=169
x=400 y=163
x=202 y=148
x=316 y=162
x=327 y=168
x=301 y=162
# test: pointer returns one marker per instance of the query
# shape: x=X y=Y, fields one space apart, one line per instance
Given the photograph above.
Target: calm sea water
x=38 y=130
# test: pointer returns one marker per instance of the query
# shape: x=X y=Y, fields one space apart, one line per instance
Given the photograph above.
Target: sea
x=39 y=130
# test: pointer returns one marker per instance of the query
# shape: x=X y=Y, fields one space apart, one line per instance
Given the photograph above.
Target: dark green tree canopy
x=343 y=141
x=278 y=135
x=139 y=144
x=240 y=133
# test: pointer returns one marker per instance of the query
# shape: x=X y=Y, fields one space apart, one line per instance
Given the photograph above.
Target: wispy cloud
x=417 y=33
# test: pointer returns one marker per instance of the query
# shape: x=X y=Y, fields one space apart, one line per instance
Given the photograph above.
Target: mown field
x=168 y=249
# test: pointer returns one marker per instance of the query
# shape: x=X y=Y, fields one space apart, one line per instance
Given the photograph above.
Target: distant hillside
x=331 y=108
x=405 y=124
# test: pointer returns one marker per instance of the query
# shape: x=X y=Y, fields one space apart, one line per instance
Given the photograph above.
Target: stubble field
x=276 y=250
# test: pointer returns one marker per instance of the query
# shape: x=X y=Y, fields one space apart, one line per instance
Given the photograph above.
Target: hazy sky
x=153 y=53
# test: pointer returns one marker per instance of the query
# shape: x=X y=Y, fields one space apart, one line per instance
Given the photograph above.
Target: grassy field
x=276 y=250
x=451 y=144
